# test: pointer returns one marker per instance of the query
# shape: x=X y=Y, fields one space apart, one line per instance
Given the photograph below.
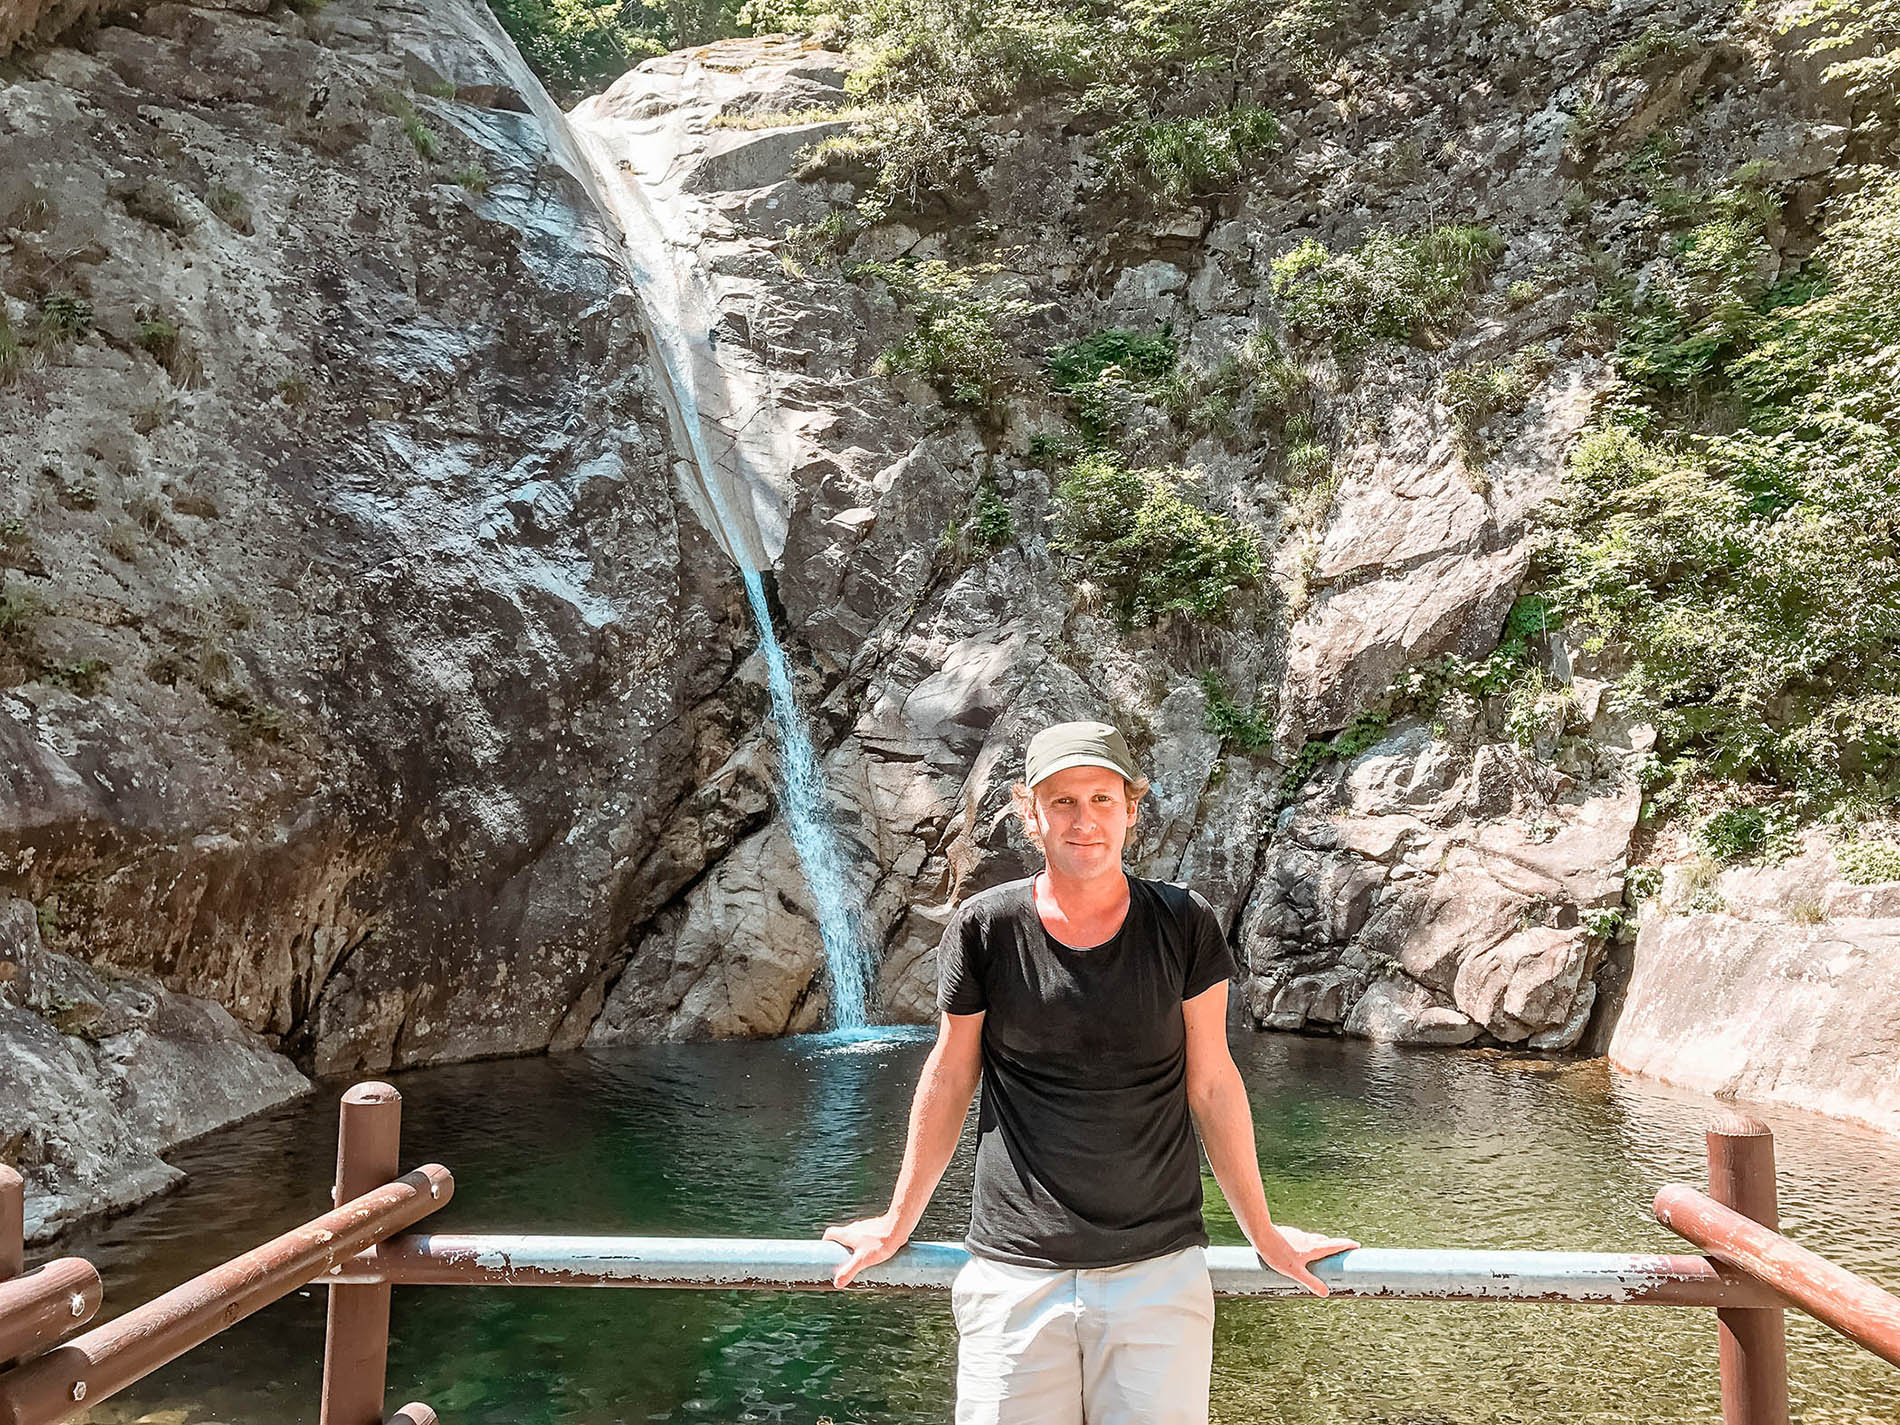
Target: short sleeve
x=960 y=965
x=1209 y=959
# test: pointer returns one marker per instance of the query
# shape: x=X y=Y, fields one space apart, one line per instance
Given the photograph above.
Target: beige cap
x=1078 y=744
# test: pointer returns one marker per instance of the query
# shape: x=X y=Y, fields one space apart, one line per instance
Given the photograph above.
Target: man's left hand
x=1288 y=1250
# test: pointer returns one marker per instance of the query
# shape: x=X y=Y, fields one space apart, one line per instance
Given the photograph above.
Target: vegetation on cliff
x=581 y=46
x=1727 y=535
x=1733 y=520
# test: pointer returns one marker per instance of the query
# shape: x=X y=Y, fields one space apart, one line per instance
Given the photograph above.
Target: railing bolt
x=79 y=1390
x=78 y=1304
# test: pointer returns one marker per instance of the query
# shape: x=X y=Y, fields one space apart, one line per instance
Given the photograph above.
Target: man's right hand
x=869 y=1240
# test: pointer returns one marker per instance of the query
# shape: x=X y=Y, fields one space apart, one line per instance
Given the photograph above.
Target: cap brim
x=1083 y=759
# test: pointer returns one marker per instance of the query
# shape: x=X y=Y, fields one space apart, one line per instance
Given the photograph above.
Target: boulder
x=102 y=1072
x=1401 y=1012
x=1525 y=983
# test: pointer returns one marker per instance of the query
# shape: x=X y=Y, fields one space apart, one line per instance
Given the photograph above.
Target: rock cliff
x=371 y=667
x=358 y=649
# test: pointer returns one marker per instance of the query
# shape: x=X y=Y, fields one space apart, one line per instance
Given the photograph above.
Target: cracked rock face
x=929 y=666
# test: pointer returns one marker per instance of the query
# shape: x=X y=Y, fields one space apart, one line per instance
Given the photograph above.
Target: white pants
x=1129 y=1345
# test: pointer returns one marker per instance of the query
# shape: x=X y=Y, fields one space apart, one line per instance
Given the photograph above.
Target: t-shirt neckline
x=1069 y=949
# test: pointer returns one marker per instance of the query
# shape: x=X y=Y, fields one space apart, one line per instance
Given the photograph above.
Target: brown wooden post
x=356 y=1338
x=12 y=1223
x=1753 y=1341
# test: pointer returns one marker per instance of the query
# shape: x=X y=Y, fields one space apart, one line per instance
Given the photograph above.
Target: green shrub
x=1152 y=549
x=160 y=338
x=954 y=344
x=787 y=118
x=426 y=142
x=1641 y=883
x=1863 y=31
x=1308 y=462
x=1364 y=732
x=64 y=317
x=1249 y=387
x=578 y=46
x=472 y=177
x=1749 y=569
x=1248 y=729
x=1867 y=863
x=1143 y=356
x=988 y=527
x=1473 y=395
x=1701 y=312
x=1178 y=159
x=9 y=347
x=1738 y=833
x=933 y=75
x=1390 y=288
x=1108 y=372
x=1051 y=450
x=818 y=244
x=1603 y=922
x=1650 y=44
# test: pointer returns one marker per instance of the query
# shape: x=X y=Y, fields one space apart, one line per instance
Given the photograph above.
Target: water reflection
x=1396 y=1148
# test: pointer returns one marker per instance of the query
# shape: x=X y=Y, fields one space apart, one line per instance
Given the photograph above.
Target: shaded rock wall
x=361 y=631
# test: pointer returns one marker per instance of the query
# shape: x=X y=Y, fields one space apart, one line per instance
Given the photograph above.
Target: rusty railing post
x=1753 y=1340
x=12 y=1223
x=356 y=1333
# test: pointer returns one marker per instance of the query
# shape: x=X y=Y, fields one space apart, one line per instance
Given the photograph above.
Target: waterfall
x=733 y=493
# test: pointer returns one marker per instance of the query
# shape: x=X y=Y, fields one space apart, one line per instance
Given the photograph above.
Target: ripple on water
x=1395 y=1148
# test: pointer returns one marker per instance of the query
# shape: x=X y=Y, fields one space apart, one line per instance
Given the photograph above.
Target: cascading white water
x=678 y=320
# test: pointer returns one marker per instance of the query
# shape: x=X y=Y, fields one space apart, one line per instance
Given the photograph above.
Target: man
x=1093 y=1005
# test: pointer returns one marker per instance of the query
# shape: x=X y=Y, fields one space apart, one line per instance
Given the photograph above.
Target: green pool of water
x=1394 y=1148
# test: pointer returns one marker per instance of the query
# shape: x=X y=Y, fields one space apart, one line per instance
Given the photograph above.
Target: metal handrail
x=806 y=1264
x=355 y=1250
x=1832 y=1295
x=90 y=1367
x=43 y=1306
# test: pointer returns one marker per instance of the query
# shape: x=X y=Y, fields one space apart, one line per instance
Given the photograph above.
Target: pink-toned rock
x=1527 y=982
x=1458 y=915
x=1401 y=1012
x=1807 y=1016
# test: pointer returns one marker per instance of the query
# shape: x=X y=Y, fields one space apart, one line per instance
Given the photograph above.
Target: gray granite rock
x=101 y=1073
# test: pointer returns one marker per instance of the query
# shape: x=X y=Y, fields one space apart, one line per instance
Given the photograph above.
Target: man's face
x=1083 y=816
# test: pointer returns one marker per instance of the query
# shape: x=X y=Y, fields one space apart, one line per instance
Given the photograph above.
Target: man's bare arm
x=1218 y=1100
x=937 y=1111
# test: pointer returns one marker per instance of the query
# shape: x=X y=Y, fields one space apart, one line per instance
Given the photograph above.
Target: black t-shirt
x=1086 y=1154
